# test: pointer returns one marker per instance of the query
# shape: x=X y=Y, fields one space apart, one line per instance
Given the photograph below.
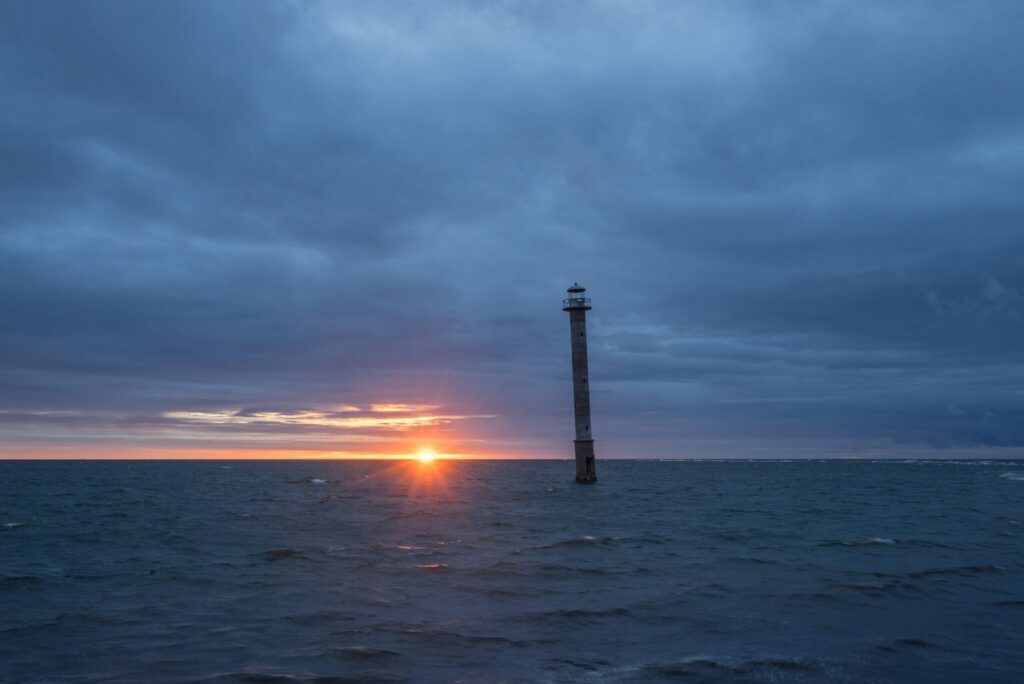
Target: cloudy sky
x=345 y=228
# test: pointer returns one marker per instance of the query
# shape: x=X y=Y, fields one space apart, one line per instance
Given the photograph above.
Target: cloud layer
x=801 y=226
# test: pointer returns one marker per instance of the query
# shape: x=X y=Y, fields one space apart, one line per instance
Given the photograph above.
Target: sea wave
x=281 y=553
x=712 y=670
x=960 y=571
x=585 y=541
x=860 y=542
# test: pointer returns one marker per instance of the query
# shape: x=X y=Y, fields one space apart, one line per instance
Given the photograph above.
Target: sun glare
x=426 y=455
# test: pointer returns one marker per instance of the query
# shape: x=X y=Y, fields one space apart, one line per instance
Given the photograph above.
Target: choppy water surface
x=506 y=571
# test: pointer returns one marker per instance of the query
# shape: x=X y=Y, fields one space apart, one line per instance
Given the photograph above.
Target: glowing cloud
x=311 y=418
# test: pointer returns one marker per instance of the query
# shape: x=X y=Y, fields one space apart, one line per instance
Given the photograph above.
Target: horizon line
x=514 y=458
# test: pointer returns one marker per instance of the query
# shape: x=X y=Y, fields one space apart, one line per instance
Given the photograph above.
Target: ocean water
x=830 y=571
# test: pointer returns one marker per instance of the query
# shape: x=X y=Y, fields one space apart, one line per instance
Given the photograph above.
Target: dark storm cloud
x=801 y=224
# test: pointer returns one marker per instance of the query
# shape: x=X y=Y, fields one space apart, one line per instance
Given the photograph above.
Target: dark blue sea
x=506 y=571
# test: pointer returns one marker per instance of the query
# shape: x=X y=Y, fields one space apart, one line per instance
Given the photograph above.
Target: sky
x=343 y=229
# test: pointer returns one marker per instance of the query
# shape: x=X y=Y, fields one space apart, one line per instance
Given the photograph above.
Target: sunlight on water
x=449 y=570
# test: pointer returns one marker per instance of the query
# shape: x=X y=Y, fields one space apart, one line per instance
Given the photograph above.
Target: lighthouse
x=578 y=305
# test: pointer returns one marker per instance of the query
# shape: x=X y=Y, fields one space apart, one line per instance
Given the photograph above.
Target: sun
x=426 y=455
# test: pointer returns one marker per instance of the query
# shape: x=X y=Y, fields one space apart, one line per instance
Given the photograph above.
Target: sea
x=507 y=571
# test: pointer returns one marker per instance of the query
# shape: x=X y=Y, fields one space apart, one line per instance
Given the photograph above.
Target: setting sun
x=426 y=455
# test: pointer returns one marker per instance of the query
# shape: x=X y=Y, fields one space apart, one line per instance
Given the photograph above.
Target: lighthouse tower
x=577 y=305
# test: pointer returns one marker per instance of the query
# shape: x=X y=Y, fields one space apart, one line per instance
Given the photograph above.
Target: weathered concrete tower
x=577 y=305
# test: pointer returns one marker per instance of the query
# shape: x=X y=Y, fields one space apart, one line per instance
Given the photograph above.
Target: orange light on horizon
x=426 y=455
